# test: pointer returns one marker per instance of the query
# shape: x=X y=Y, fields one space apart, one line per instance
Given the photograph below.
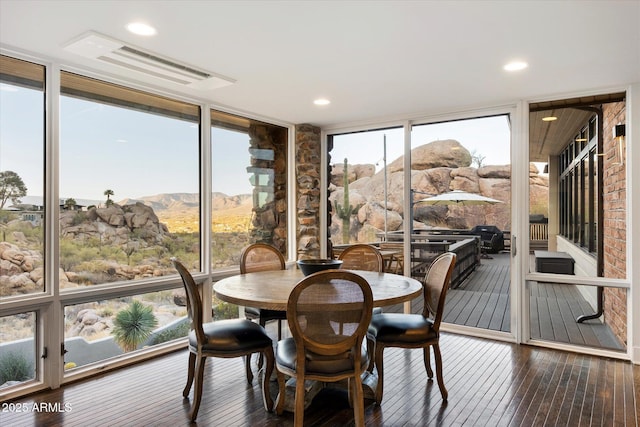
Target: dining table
x=270 y=290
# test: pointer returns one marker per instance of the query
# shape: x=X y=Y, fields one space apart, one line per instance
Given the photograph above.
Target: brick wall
x=615 y=224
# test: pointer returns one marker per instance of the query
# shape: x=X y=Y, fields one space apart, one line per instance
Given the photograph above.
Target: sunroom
x=113 y=161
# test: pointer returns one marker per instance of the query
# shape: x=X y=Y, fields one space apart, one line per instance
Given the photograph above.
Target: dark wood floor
x=490 y=384
x=483 y=300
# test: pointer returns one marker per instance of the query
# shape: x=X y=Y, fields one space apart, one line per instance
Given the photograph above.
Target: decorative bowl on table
x=310 y=266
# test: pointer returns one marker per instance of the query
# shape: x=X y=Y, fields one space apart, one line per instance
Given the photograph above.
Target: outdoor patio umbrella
x=459 y=197
x=463 y=198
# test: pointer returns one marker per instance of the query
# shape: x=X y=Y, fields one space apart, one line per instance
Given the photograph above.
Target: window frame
x=50 y=304
x=577 y=200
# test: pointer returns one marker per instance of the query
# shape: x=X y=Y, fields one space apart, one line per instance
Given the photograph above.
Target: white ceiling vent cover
x=112 y=51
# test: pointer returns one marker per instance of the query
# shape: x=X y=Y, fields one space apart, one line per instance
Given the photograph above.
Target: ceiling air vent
x=112 y=51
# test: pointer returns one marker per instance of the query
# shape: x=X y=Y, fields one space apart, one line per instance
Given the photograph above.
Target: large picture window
x=22 y=192
x=249 y=186
x=129 y=183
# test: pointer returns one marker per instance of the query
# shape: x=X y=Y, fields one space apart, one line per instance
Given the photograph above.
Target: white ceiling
x=375 y=60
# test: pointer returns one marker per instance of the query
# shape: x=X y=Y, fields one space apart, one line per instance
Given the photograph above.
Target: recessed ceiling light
x=322 y=101
x=549 y=118
x=516 y=66
x=141 y=29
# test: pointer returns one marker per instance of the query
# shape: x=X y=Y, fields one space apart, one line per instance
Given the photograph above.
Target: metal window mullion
x=52 y=317
x=205 y=208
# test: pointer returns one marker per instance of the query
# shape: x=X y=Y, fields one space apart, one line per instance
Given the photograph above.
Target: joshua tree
x=11 y=188
x=108 y=193
x=133 y=325
x=345 y=210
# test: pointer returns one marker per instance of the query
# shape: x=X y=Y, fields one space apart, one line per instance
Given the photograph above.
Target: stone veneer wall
x=307 y=167
x=615 y=223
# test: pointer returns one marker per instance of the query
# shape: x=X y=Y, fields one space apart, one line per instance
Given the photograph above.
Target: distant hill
x=180 y=211
x=187 y=201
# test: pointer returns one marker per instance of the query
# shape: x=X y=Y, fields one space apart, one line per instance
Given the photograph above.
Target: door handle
x=514 y=246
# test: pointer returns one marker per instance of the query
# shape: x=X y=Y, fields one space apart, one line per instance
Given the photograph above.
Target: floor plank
x=483 y=301
x=489 y=382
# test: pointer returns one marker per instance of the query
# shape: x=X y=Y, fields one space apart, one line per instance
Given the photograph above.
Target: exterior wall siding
x=615 y=223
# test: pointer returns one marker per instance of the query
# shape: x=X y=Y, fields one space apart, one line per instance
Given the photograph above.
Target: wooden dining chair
x=328 y=313
x=222 y=338
x=262 y=257
x=395 y=264
x=362 y=257
x=416 y=330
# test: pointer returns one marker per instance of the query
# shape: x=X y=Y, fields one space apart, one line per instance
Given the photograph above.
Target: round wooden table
x=270 y=289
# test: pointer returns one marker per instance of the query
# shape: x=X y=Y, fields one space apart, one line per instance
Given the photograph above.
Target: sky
x=489 y=137
x=137 y=154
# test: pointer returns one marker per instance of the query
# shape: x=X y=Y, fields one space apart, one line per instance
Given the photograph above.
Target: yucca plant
x=133 y=325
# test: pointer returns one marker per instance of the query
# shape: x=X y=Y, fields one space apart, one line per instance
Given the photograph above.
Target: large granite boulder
x=447 y=153
x=355 y=172
x=437 y=168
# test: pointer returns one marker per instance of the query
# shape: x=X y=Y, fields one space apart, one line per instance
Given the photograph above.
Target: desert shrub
x=6 y=216
x=15 y=366
x=78 y=218
x=224 y=310
x=72 y=254
x=179 y=331
x=106 y=312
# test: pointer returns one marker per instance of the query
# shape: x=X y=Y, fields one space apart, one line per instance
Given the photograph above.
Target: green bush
x=224 y=310
x=133 y=325
x=179 y=331
x=15 y=367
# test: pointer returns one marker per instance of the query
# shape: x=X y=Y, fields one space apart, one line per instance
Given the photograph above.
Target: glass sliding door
x=461 y=202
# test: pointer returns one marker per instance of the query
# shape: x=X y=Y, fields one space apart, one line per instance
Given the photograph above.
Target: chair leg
x=380 y=368
x=263 y=323
x=298 y=413
x=357 y=401
x=247 y=367
x=350 y=391
x=266 y=379
x=443 y=390
x=371 y=345
x=281 y=392
x=191 y=369
x=427 y=361
x=197 y=392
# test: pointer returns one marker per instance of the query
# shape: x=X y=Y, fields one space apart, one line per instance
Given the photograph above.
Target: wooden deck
x=483 y=301
x=490 y=384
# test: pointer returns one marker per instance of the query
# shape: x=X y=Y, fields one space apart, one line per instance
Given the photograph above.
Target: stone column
x=307 y=157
